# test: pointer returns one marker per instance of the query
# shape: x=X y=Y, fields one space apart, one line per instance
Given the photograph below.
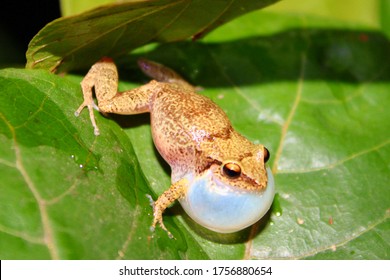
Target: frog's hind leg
x=103 y=77
x=162 y=73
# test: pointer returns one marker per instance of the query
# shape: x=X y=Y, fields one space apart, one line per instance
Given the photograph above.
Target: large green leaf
x=65 y=193
x=316 y=96
x=113 y=30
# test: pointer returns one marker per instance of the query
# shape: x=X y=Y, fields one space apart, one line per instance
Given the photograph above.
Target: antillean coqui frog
x=218 y=176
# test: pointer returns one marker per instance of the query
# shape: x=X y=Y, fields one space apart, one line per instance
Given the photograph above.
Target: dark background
x=19 y=22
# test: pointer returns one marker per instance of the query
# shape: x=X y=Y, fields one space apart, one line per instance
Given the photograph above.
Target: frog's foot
x=176 y=191
x=157 y=214
x=90 y=104
x=157 y=217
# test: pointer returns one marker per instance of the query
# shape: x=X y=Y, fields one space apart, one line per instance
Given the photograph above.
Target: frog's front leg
x=103 y=78
x=176 y=191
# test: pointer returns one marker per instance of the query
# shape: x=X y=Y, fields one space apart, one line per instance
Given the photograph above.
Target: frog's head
x=246 y=171
x=232 y=193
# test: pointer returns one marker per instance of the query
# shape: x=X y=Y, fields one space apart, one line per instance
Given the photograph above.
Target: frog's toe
x=160 y=222
x=157 y=217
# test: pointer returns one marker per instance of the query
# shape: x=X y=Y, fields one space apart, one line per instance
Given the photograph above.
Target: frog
x=219 y=177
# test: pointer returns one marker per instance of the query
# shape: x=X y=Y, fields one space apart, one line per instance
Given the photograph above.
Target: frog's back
x=181 y=119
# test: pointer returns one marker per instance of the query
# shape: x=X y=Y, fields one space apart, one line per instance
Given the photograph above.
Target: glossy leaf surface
x=114 y=30
x=315 y=93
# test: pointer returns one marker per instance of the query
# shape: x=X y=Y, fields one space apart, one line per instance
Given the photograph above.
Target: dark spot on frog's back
x=224 y=133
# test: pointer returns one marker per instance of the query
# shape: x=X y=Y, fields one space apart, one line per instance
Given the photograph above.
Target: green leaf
x=64 y=192
x=315 y=93
x=359 y=11
x=113 y=30
x=72 y=7
x=384 y=18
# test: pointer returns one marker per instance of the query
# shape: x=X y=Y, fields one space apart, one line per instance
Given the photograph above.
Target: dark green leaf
x=65 y=193
x=384 y=18
x=113 y=30
x=316 y=96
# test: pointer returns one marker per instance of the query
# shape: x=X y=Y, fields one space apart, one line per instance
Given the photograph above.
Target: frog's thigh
x=130 y=102
x=103 y=76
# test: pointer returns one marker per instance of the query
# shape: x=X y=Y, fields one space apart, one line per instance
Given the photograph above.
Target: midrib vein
x=291 y=114
x=285 y=127
x=48 y=236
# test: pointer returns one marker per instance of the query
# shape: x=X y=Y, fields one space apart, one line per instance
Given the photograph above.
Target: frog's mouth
x=224 y=208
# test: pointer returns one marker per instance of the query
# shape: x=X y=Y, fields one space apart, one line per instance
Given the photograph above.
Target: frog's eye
x=266 y=155
x=231 y=170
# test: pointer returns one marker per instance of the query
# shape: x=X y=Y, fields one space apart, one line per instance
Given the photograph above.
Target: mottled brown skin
x=189 y=130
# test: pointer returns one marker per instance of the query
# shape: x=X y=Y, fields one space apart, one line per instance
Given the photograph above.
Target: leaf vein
x=352 y=237
x=21 y=235
x=291 y=114
x=47 y=230
x=339 y=162
x=108 y=31
x=125 y=246
x=7 y=163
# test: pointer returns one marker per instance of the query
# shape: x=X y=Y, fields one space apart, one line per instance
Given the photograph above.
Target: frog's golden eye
x=231 y=170
x=266 y=155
